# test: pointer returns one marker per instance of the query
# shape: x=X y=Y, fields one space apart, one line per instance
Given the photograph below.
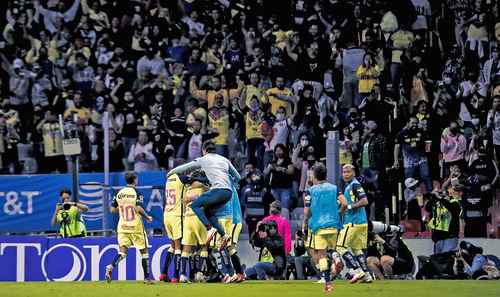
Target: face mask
x=304 y=143
x=353 y=115
x=280 y=117
x=311 y=163
x=454 y=130
x=254 y=107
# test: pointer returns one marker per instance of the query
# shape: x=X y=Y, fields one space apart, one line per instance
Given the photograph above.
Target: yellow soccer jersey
x=190 y=192
x=130 y=220
x=174 y=192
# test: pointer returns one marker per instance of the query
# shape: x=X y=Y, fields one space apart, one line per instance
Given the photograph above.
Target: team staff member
x=322 y=209
x=172 y=219
x=354 y=235
x=131 y=231
x=69 y=215
x=220 y=173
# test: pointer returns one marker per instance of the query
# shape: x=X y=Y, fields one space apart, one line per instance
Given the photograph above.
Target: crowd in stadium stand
x=412 y=86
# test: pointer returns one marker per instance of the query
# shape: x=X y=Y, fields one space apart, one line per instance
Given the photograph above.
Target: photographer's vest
x=254 y=201
x=71 y=223
x=441 y=217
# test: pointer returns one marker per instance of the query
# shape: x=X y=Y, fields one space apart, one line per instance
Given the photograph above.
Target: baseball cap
x=410 y=182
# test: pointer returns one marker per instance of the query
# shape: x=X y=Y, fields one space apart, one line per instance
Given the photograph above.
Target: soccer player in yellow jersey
x=194 y=231
x=172 y=219
x=131 y=231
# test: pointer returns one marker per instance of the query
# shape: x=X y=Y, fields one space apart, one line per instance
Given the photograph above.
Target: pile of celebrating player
x=203 y=219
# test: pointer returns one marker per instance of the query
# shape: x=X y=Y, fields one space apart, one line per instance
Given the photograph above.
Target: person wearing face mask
x=281 y=130
x=300 y=151
x=279 y=173
x=453 y=147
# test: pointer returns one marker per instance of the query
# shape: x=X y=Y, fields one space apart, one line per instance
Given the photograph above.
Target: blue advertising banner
x=30 y=258
x=27 y=202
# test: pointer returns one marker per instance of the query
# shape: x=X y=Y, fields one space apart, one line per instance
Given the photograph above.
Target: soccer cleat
x=210 y=235
x=109 y=273
x=224 y=241
x=328 y=287
x=357 y=277
x=184 y=279
x=337 y=266
x=164 y=278
x=368 y=279
x=237 y=278
x=200 y=278
x=148 y=281
x=174 y=280
x=321 y=281
x=226 y=279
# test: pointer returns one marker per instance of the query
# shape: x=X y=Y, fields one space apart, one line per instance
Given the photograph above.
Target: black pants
x=255 y=152
x=475 y=227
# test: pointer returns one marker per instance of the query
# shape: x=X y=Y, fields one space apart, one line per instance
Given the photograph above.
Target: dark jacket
x=378 y=153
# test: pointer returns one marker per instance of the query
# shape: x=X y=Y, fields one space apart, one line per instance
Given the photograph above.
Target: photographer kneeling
x=272 y=259
x=68 y=215
x=388 y=255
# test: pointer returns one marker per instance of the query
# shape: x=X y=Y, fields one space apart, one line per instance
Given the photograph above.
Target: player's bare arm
x=143 y=213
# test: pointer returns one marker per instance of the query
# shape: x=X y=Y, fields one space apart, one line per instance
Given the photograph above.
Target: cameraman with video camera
x=68 y=215
x=272 y=259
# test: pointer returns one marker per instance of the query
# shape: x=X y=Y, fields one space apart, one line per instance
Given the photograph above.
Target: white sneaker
x=226 y=279
x=321 y=281
x=210 y=235
x=184 y=279
x=109 y=273
x=368 y=279
x=357 y=277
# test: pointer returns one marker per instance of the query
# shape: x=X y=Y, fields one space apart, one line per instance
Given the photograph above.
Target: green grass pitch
x=253 y=289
